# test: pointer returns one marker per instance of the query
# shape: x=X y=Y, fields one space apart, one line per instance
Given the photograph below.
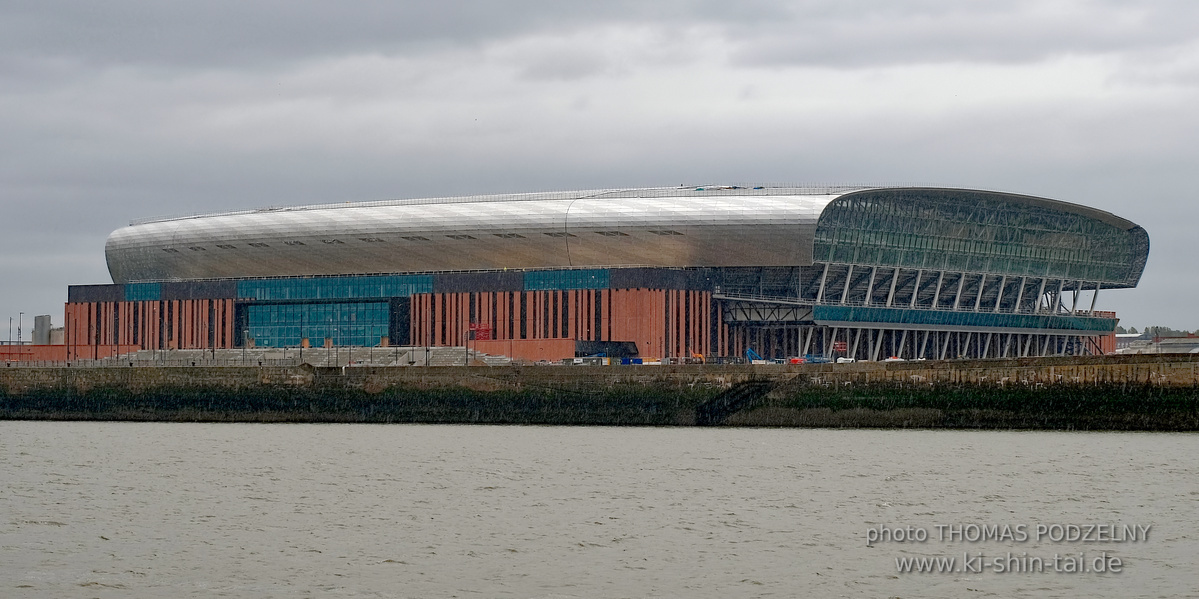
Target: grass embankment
x=1057 y=407
x=634 y=405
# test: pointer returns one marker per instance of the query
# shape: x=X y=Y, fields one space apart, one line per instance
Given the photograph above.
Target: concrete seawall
x=1122 y=392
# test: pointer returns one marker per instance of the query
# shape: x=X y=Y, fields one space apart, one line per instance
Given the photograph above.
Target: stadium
x=681 y=273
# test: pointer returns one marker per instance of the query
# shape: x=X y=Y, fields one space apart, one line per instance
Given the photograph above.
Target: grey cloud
x=871 y=34
x=247 y=35
x=565 y=66
x=228 y=33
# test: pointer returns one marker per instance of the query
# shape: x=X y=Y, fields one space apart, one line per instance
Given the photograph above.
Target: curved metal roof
x=669 y=227
x=707 y=226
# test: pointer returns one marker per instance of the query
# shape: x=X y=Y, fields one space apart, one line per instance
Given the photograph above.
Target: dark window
x=562 y=295
x=511 y=315
x=665 y=232
x=560 y=234
x=415 y=238
x=492 y=320
x=524 y=317
x=459 y=236
x=259 y=245
x=609 y=315
x=666 y=319
x=226 y=247
x=508 y=236
x=599 y=314
x=332 y=241
x=687 y=318
x=444 y=319
x=611 y=233
x=554 y=319
x=293 y=242
x=196 y=248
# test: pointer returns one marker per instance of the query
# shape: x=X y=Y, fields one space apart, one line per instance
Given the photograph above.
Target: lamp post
x=20 y=323
x=245 y=340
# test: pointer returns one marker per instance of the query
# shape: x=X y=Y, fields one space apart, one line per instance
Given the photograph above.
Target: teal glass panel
x=324 y=288
x=543 y=280
x=902 y=316
x=978 y=232
x=284 y=325
x=143 y=292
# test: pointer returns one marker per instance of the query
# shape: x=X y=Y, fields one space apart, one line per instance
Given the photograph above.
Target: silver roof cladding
x=707 y=226
x=668 y=228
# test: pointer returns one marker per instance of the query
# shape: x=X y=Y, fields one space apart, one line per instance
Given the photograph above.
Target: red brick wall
x=663 y=323
x=167 y=324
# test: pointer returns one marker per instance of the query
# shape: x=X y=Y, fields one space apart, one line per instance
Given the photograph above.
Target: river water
x=253 y=510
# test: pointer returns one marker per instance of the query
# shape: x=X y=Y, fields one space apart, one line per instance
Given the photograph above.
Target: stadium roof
x=692 y=226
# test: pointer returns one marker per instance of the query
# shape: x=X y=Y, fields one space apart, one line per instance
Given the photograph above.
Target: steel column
x=891 y=294
x=937 y=293
x=848 y=278
x=957 y=299
x=1020 y=295
x=823 y=279
x=870 y=286
x=999 y=294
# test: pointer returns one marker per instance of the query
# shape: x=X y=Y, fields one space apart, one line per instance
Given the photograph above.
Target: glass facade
x=284 y=325
x=881 y=317
x=978 y=232
x=365 y=287
x=544 y=280
x=143 y=292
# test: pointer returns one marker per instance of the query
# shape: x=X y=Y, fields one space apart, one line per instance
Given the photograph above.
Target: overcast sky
x=116 y=110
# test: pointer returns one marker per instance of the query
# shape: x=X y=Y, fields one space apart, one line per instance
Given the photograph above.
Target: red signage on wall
x=480 y=331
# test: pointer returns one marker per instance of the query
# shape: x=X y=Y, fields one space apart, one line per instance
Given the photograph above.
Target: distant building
x=1188 y=344
x=41 y=330
x=1126 y=340
x=868 y=273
